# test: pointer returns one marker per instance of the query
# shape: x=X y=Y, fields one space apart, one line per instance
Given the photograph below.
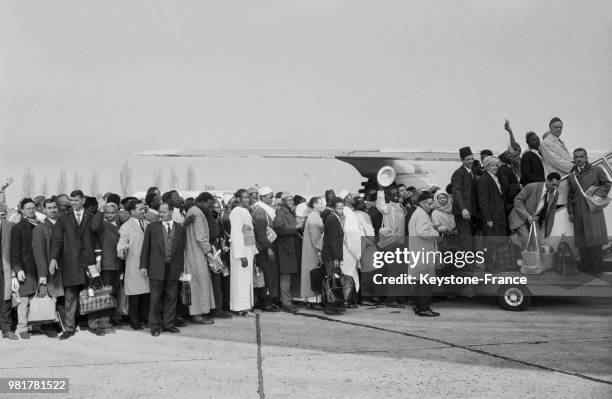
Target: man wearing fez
x=464 y=199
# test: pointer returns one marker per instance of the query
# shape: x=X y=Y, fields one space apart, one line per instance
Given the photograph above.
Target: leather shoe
x=24 y=335
x=333 y=312
x=155 y=332
x=51 y=334
x=10 y=335
x=66 y=335
x=202 y=320
x=220 y=314
x=434 y=312
x=138 y=327
x=180 y=322
x=427 y=313
x=172 y=330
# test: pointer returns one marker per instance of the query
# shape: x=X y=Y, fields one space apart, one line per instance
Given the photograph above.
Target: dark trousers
x=217 y=285
x=138 y=308
x=591 y=259
x=71 y=303
x=422 y=297
x=329 y=271
x=163 y=299
x=5 y=309
x=111 y=277
x=465 y=233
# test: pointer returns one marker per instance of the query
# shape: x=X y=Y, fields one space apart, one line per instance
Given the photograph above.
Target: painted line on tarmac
x=260 y=386
x=550 y=341
x=453 y=345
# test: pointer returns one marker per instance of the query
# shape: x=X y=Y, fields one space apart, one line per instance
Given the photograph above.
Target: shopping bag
x=548 y=257
x=42 y=309
x=94 y=299
x=565 y=260
x=259 y=280
x=532 y=261
x=594 y=202
x=122 y=302
x=185 y=289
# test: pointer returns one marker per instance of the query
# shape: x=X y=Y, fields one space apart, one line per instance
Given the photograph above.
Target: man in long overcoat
x=590 y=232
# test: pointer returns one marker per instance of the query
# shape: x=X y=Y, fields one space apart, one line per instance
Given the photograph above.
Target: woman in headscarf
x=442 y=215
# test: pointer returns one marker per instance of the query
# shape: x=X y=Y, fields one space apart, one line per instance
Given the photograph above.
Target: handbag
x=122 y=301
x=338 y=288
x=259 y=280
x=317 y=275
x=185 y=289
x=595 y=202
x=95 y=299
x=532 y=261
x=42 y=309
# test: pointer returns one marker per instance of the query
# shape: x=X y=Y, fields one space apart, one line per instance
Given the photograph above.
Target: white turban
x=264 y=191
x=343 y=194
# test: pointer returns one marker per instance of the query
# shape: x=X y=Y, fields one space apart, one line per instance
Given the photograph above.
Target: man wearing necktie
x=465 y=204
x=536 y=202
x=590 y=231
x=72 y=250
x=162 y=260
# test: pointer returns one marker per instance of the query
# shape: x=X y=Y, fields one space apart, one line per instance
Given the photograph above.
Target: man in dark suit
x=465 y=203
x=532 y=168
x=536 y=202
x=333 y=239
x=72 y=250
x=24 y=265
x=105 y=226
x=162 y=260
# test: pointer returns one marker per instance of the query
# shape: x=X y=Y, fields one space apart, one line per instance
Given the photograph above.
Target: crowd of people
x=269 y=243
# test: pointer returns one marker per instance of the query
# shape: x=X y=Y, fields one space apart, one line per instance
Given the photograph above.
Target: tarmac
x=559 y=348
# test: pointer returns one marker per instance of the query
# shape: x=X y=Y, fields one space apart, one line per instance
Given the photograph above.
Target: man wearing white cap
x=286 y=226
x=265 y=237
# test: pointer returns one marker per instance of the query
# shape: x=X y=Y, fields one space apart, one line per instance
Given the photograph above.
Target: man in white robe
x=242 y=254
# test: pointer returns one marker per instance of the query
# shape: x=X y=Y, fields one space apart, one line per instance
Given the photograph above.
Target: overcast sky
x=84 y=84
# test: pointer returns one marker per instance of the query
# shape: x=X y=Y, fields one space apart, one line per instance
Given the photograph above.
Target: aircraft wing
x=381 y=154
